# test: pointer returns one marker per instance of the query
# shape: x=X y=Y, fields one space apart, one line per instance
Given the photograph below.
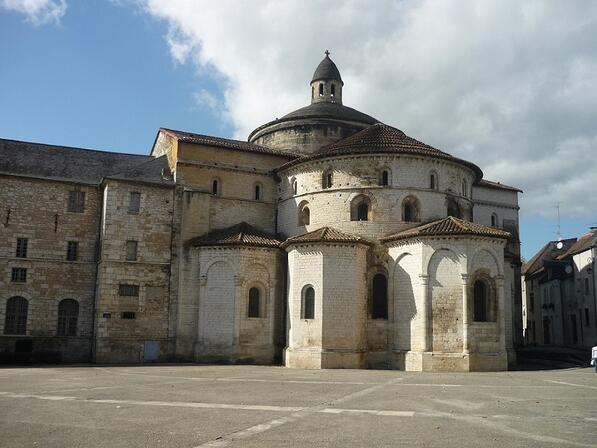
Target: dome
x=334 y=111
x=327 y=70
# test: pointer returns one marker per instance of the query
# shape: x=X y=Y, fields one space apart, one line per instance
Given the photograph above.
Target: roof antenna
x=559 y=244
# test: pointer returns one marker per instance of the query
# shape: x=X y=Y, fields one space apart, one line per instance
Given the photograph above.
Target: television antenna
x=559 y=232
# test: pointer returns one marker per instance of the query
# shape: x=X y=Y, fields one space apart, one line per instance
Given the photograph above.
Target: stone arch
x=263 y=298
x=361 y=208
x=308 y=298
x=445 y=300
x=411 y=209
x=483 y=294
x=217 y=306
x=385 y=177
x=485 y=258
x=16 y=315
x=327 y=178
x=304 y=214
x=433 y=180
x=215 y=186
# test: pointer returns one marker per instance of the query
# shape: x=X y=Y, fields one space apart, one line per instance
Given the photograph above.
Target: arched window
x=494 y=220
x=257 y=195
x=16 y=316
x=254 y=303
x=384 y=179
x=480 y=305
x=312 y=92
x=453 y=208
x=433 y=181
x=328 y=179
x=308 y=303
x=294 y=187
x=320 y=89
x=464 y=188
x=410 y=209
x=379 y=297
x=215 y=187
x=304 y=217
x=68 y=314
x=360 y=209
x=333 y=89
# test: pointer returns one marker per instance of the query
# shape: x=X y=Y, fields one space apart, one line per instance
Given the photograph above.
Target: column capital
x=465 y=277
x=424 y=278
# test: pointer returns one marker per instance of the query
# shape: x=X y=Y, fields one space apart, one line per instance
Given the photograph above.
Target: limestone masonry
x=327 y=240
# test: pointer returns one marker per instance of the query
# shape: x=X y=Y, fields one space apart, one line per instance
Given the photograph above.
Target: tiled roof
x=548 y=252
x=497 y=185
x=327 y=70
x=63 y=163
x=227 y=143
x=449 y=226
x=381 y=138
x=324 y=234
x=155 y=171
x=585 y=242
x=242 y=234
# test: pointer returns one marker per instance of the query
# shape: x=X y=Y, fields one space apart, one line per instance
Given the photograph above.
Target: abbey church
x=328 y=239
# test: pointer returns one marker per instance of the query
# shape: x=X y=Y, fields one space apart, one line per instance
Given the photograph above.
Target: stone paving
x=250 y=406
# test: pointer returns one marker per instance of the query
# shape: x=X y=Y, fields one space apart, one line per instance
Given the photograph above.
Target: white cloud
x=38 y=12
x=509 y=85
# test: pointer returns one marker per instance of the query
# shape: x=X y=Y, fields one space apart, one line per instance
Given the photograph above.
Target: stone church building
x=328 y=239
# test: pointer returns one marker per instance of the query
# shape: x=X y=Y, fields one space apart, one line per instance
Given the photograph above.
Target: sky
x=508 y=85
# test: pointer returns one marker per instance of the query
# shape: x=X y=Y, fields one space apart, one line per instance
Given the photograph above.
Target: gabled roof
x=324 y=235
x=585 y=242
x=449 y=226
x=381 y=138
x=548 y=252
x=241 y=234
x=63 y=163
x=155 y=171
x=497 y=185
x=226 y=143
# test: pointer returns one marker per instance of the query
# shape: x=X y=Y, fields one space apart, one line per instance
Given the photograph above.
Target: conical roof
x=324 y=235
x=327 y=70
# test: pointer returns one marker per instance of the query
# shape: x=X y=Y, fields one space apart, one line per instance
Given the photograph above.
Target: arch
x=304 y=214
x=68 y=316
x=333 y=87
x=453 y=209
x=411 y=209
x=494 y=220
x=294 y=184
x=464 y=188
x=216 y=187
x=379 y=297
x=308 y=302
x=255 y=306
x=484 y=294
x=320 y=89
x=433 y=180
x=258 y=191
x=327 y=179
x=404 y=281
x=360 y=208
x=485 y=258
x=385 y=177
x=15 y=321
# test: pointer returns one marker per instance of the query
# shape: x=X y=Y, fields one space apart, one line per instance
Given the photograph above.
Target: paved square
x=249 y=406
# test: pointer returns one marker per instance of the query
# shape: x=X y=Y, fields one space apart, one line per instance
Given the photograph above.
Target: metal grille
x=19 y=275
x=76 y=201
x=128 y=290
x=22 y=247
x=72 y=250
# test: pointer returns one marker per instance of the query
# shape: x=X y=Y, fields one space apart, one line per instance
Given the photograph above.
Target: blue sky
x=107 y=74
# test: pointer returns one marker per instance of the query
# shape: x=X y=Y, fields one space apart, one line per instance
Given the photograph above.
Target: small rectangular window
x=128 y=315
x=22 y=247
x=128 y=290
x=131 y=250
x=76 y=201
x=19 y=275
x=72 y=250
x=134 y=202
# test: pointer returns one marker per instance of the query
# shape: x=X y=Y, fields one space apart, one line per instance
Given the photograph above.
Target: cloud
x=38 y=12
x=509 y=85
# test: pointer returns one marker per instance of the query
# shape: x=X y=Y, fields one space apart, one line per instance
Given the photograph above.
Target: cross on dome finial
x=327 y=53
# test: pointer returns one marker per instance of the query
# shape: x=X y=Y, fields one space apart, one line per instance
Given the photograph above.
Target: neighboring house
x=328 y=240
x=559 y=301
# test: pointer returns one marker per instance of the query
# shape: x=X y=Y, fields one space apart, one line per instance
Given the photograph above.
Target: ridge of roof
x=241 y=234
x=446 y=227
x=151 y=171
x=585 y=242
x=497 y=185
x=322 y=235
x=227 y=143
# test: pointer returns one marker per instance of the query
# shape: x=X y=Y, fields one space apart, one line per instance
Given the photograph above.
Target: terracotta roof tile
x=548 y=252
x=585 y=242
x=324 y=234
x=242 y=234
x=449 y=226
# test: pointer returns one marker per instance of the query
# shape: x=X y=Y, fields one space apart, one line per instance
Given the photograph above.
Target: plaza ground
x=250 y=406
